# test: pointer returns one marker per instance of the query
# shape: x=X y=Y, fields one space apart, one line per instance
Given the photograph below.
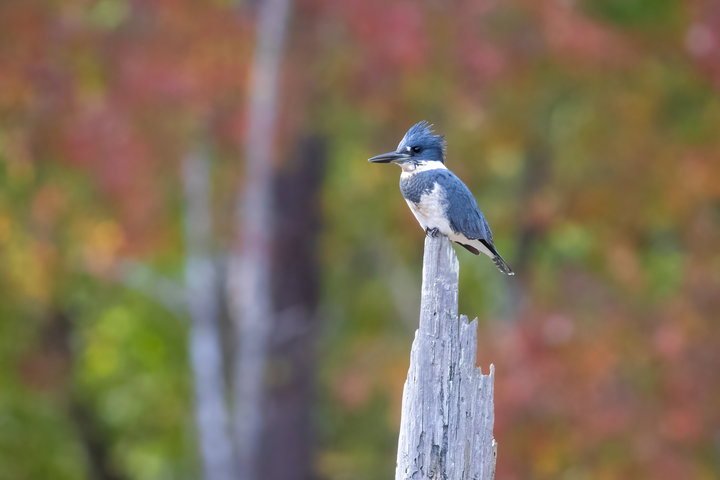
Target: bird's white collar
x=410 y=167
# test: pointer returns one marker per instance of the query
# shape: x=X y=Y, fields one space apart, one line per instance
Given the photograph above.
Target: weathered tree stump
x=446 y=431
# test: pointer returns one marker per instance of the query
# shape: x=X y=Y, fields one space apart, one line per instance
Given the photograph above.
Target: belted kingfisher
x=437 y=197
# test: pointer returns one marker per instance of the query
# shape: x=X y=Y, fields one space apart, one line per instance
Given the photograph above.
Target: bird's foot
x=432 y=232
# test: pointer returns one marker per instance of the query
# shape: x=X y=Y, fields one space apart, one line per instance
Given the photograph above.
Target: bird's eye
x=417 y=149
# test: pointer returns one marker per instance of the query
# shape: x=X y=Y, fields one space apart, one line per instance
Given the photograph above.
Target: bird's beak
x=388 y=157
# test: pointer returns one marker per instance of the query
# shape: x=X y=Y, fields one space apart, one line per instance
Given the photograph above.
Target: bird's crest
x=423 y=133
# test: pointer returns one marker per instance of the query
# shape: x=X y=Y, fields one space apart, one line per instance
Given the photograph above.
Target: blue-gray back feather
x=463 y=212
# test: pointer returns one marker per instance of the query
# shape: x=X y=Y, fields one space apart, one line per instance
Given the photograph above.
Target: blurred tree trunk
x=211 y=416
x=249 y=270
x=287 y=437
x=51 y=368
x=536 y=177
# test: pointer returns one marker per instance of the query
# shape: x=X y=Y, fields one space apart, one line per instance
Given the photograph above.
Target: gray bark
x=447 y=408
x=249 y=269
x=211 y=415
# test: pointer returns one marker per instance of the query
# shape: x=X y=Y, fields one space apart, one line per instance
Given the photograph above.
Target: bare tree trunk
x=447 y=409
x=249 y=269
x=211 y=414
x=537 y=175
x=287 y=442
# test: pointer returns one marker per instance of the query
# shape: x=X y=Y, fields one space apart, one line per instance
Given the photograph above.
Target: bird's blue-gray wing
x=462 y=209
x=465 y=217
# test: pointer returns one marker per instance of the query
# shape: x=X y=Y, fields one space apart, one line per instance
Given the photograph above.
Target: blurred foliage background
x=587 y=129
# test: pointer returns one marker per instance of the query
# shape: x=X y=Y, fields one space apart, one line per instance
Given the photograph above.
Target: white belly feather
x=430 y=213
x=430 y=210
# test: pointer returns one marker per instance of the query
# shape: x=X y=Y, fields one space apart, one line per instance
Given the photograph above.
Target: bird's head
x=419 y=145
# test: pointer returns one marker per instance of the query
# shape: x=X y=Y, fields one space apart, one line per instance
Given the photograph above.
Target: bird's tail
x=502 y=265
x=496 y=258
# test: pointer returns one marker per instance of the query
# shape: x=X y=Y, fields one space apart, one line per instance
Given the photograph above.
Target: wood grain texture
x=447 y=409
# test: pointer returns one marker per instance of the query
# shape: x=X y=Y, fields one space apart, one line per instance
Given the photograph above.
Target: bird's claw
x=432 y=232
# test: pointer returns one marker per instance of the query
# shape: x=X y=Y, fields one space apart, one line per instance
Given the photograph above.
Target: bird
x=440 y=201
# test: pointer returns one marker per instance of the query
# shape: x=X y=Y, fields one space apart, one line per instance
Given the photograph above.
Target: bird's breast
x=430 y=209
